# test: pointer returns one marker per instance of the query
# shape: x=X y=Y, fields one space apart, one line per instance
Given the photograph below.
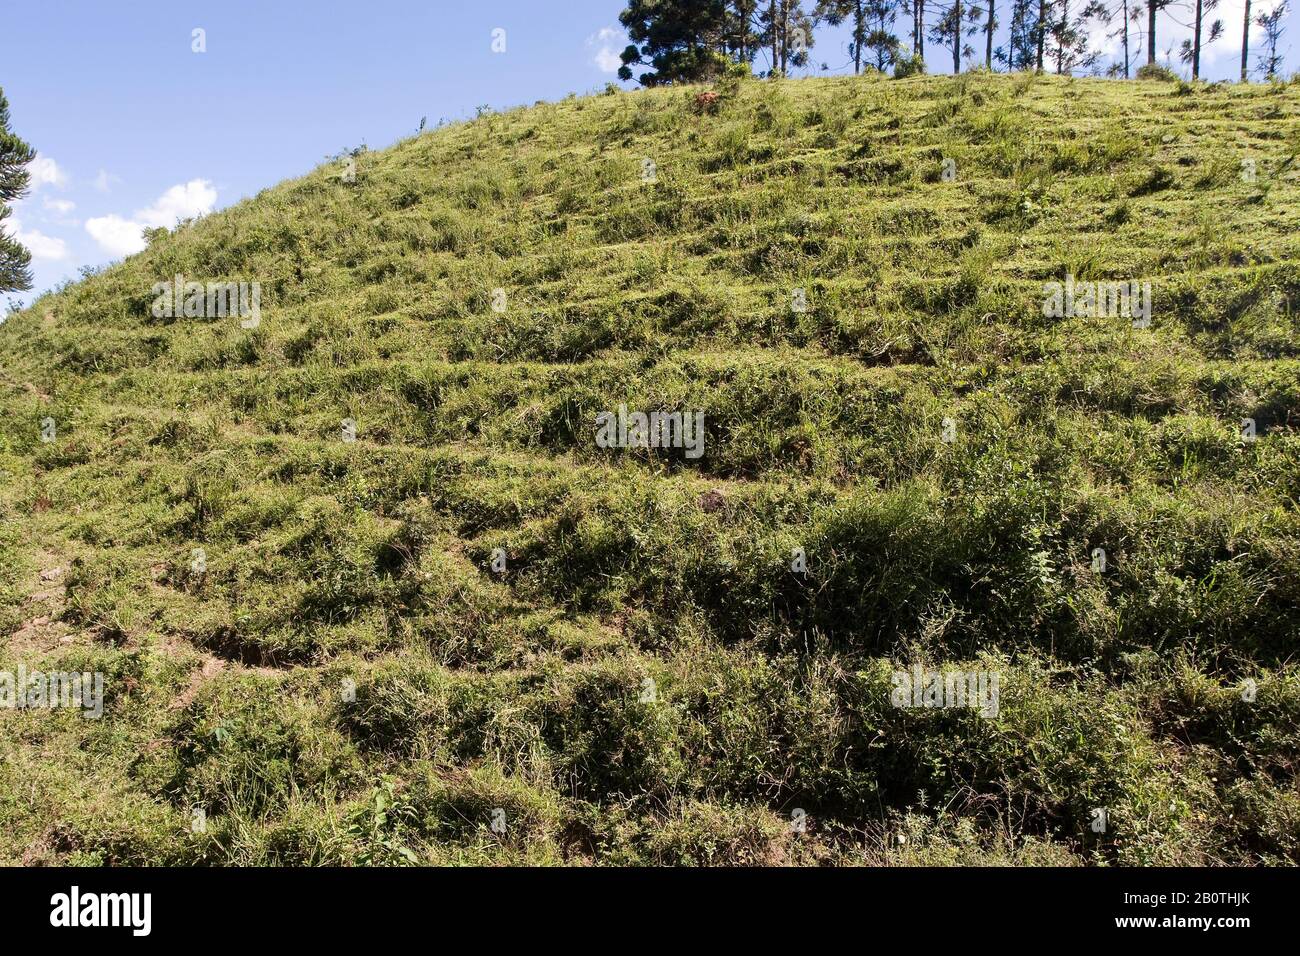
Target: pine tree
x=742 y=37
x=836 y=12
x=880 y=38
x=953 y=26
x=1270 y=61
x=15 y=260
x=789 y=31
x=1022 y=41
x=990 y=24
x=1191 y=49
x=917 y=9
x=1067 y=36
x=682 y=40
x=1127 y=13
x=686 y=41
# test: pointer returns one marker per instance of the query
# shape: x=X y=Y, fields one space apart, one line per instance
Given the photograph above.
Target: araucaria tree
x=872 y=21
x=880 y=39
x=1067 y=35
x=1023 y=39
x=836 y=12
x=1191 y=49
x=685 y=41
x=956 y=23
x=788 y=29
x=917 y=10
x=15 y=260
x=741 y=25
x=1128 y=13
x=1270 y=61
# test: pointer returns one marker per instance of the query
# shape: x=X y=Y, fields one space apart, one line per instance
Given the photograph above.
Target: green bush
x=907 y=66
x=1154 y=71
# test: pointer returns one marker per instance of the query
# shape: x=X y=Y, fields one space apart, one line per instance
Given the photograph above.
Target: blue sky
x=134 y=128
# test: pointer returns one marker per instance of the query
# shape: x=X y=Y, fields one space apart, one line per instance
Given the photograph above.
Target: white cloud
x=607 y=61
x=104 y=181
x=61 y=206
x=608 y=43
x=40 y=245
x=46 y=172
x=115 y=235
x=195 y=198
x=122 y=237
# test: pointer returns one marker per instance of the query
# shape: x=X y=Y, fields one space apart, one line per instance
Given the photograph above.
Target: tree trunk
x=1151 y=31
x=956 y=36
x=918 y=47
x=1042 y=31
x=1126 y=39
x=1245 y=41
x=859 y=31
x=742 y=24
x=785 y=35
x=1016 y=20
x=771 y=14
x=1060 y=49
x=988 y=49
x=1196 y=44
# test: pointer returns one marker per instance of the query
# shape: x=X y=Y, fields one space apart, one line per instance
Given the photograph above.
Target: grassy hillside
x=647 y=681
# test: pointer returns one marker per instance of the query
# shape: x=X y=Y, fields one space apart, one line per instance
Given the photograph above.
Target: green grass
x=648 y=682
